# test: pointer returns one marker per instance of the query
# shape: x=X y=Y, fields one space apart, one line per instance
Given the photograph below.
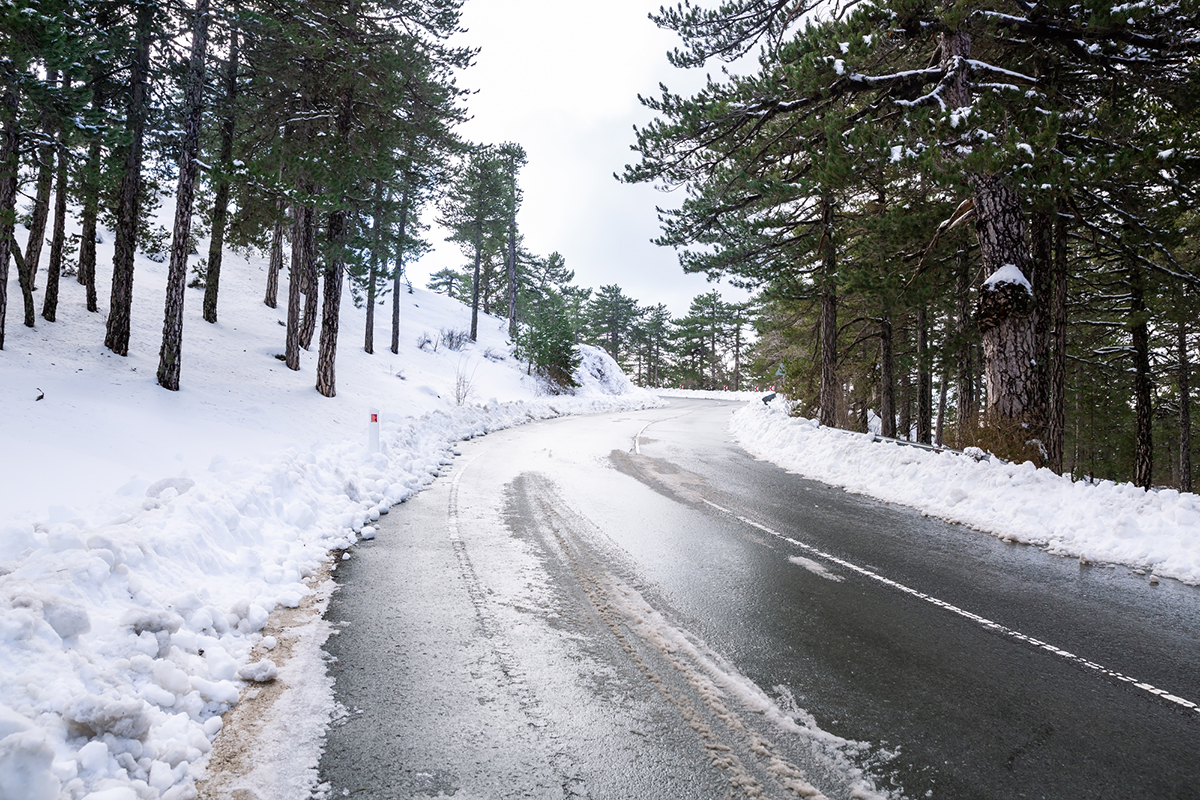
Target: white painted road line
x=983 y=621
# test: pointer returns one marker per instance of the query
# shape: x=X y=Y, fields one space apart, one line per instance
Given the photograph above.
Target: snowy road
x=577 y=611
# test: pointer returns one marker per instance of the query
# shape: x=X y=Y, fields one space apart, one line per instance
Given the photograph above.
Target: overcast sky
x=561 y=78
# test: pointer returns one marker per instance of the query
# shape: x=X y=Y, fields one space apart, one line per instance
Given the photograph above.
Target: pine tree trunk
x=887 y=378
x=125 y=247
x=1042 y=279
x=1143 y=467
x=169 y=355
x=924 y=379
x=967 y=408
x=216 y=247
x=399 y=270
x=311 y=285
x=475 y=282
x=327 y=346
x=90 y=187
x=828 y=290
x=511 y=264
x=373 y=274
x=275 y=265
x=1005 y=308
x=938 y=438
x=9 y=143
x=41 y=204
x=1185 y=409
x=59 y=237
x=904 y=426
x=1057 y=402
x=295 y=279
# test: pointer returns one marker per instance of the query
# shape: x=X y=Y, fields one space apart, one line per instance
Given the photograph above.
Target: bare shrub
x=455 y=339
x=463 y=381
x=424 y=342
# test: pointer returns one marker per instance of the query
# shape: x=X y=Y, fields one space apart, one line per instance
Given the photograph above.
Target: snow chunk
x=259 y=671
x=1008 y=274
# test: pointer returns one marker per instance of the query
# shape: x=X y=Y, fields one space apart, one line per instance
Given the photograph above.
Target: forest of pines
x=969 y=224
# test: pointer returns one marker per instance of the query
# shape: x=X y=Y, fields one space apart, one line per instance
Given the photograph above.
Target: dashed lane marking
x=982 y=621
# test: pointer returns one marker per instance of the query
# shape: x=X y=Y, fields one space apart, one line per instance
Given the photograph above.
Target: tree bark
x=939 y=432
x=90 y=187
x=904 y=427
x=125 y=247
x=828 y=290
x=311 y=284
x=887 y=378
x=475 y=282
x=1056 y=419
x=59 y=237
x=511 y=256
x=41 y=205
x=327 y=345
x=275 y=265
x=924 y=379
x=1185 y=408
x=1005 y=307
x=169 y=355
x=1143 y=467
x=373 y=274
x=9 y=144
x=967 y=408
x=400 y=240
x=220 y=213
x=295 y=278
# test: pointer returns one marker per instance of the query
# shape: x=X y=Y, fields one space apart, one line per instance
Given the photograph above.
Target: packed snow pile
x=146 y=535
x=598 y=375
x=1100 y=522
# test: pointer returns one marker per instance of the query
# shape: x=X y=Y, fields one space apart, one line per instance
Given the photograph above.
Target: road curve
x=631 y=606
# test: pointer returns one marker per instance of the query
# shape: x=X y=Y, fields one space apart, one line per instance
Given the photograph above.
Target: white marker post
x=373 y=432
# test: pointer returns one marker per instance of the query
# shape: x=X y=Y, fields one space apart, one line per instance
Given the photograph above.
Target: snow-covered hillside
x=146 y=535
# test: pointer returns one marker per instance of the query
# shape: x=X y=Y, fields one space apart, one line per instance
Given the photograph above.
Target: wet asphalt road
x=569 y=614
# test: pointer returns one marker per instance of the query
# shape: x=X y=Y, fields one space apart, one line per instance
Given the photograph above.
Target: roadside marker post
x=373 y=432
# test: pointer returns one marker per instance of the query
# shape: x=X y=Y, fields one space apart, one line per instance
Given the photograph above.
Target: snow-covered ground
x=146 y=535
x=710 y=394
x=1156 y=532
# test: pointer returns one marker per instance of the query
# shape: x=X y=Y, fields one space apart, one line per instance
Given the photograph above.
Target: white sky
x=561 y=78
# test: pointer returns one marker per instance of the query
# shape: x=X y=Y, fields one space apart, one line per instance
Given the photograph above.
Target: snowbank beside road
x=711 y=394
x=1104 y=522
x=146 y=535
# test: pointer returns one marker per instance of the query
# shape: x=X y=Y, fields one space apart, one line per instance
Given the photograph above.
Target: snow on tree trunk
x=125 y=247
x=1005 y=314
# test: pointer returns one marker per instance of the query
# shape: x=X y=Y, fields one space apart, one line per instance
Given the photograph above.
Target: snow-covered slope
x=146 y=535
x=1157 y=532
